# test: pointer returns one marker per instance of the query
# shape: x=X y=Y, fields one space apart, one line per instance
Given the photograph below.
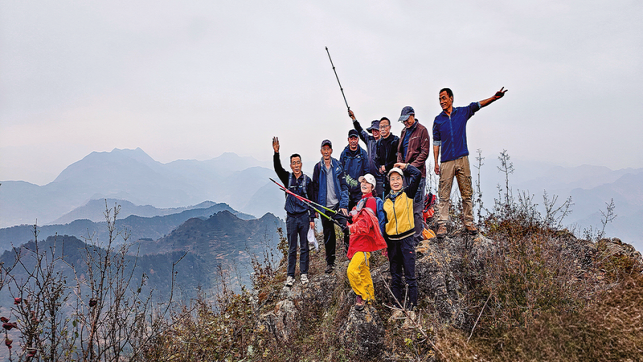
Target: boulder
x=363 y=334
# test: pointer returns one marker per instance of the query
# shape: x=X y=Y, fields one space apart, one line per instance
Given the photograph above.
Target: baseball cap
x=327 y=142
x=375 y=125
x=353 y=133
x=369 y=178
x=406 y=112
x=396 y=169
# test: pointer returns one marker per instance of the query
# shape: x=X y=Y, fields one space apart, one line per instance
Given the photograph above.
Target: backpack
x=303 y=184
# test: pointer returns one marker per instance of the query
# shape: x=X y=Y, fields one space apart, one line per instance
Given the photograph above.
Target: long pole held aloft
x=340 y=84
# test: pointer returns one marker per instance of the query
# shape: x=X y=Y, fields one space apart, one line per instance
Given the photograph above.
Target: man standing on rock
x=331 y=191
x=414 y=148
x=371 y=149
x=354 y=161
x=450 y=134
x=299 y=217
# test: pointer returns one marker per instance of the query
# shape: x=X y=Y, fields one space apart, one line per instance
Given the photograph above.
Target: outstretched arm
x=358 y=127
x=281 y=172
x=499 y=94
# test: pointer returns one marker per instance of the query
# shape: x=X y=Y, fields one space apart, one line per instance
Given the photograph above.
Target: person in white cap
x=399 y=231
x=365 y=237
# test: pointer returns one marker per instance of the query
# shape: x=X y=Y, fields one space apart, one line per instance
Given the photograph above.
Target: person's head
x=375 y=129
x=295 y=164
x=326 y=149
x=446 y=98
x=367 y=183
x=407 y=116
x=385 y=127
x=353 y=140
x=396 y=179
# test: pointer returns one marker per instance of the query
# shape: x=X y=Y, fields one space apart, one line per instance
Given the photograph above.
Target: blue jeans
x=297 y=226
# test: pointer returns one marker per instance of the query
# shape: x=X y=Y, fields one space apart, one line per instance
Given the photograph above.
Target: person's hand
x=351 y=114
x=383 y=169
x=344 y=211
x=499 y=94
x=275 y=144
x=312 y=225
x=401 y=166
x=437 y=169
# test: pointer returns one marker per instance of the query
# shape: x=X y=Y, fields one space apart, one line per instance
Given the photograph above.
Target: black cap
x=375 y=125
x=406 y=112
x=327 y=142
x=353 y=133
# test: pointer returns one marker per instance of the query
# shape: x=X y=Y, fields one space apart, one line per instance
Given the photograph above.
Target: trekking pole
x=310 y=204
x=301 y=198
x=340 y=84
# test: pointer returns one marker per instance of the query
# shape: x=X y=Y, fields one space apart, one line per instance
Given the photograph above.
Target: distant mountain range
x=137 y=227
x=134 y=176
x=221 y=239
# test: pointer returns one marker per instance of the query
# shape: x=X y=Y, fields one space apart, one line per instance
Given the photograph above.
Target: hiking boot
x=471 y=229
x=329 y=269
x=359 y=303
x=304 y=279
x=290 y=281
x=442 y=232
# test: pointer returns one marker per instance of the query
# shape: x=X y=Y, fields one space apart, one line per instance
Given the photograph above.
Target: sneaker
x=304 y=279
x=442 y=232
x=471 y=229
x=290 y=281
x=359 y=303
x=329 y=269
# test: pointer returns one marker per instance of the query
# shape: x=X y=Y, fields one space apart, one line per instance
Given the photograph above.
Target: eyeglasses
x=384 y=126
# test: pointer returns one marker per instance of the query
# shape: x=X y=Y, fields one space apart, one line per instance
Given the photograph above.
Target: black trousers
x=330 y=237
x=401 y=256
x=297 y=228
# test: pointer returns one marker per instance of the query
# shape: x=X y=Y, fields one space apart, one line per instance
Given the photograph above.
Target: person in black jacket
x=299 y=216
x=386 y=152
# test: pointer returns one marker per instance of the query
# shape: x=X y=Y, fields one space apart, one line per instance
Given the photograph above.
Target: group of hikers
x=377 y=195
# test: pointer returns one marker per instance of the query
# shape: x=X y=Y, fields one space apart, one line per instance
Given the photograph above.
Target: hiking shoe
x=329 y=269
x=359 y=303
x=304 y=279
x=471 y=229
x=290 y=281
x=442 y=232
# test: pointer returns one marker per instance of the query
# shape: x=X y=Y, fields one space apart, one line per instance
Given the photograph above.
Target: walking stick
x=340 y=84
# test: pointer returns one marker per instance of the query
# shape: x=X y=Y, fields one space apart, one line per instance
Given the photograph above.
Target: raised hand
x=275 y=144
x=499 y=94
x=351 y=114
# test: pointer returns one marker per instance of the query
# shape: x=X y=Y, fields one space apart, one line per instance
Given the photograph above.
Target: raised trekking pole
x=340 y=84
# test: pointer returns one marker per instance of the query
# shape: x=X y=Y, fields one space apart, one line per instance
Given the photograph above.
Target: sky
x=192 y=80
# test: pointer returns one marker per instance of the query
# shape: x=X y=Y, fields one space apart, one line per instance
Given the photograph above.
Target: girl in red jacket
x=365 y=237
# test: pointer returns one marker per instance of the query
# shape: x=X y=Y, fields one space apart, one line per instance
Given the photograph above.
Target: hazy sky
x=199 y=78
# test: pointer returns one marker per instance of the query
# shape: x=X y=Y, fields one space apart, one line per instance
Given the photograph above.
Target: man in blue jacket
x=299 y=217
x=450 y=134
x=371 y=150
x=331 y=191
x=354 y=161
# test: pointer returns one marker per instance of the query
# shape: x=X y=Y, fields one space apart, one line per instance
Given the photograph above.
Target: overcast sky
x=191 y=80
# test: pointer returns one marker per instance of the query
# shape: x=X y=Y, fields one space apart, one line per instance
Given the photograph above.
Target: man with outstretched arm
x=331 y=191
x=450 y=134
x=299 y=217
x=371 y=149
x=414 y=148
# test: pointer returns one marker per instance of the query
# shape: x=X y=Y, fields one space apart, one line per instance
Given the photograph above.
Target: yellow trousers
x=359 y=275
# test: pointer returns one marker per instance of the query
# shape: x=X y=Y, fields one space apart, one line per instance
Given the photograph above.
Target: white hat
x=369 y=178
x=396 y=169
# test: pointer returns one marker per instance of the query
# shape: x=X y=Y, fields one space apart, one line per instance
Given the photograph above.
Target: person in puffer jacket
x=399 y=231
x=365 y=237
